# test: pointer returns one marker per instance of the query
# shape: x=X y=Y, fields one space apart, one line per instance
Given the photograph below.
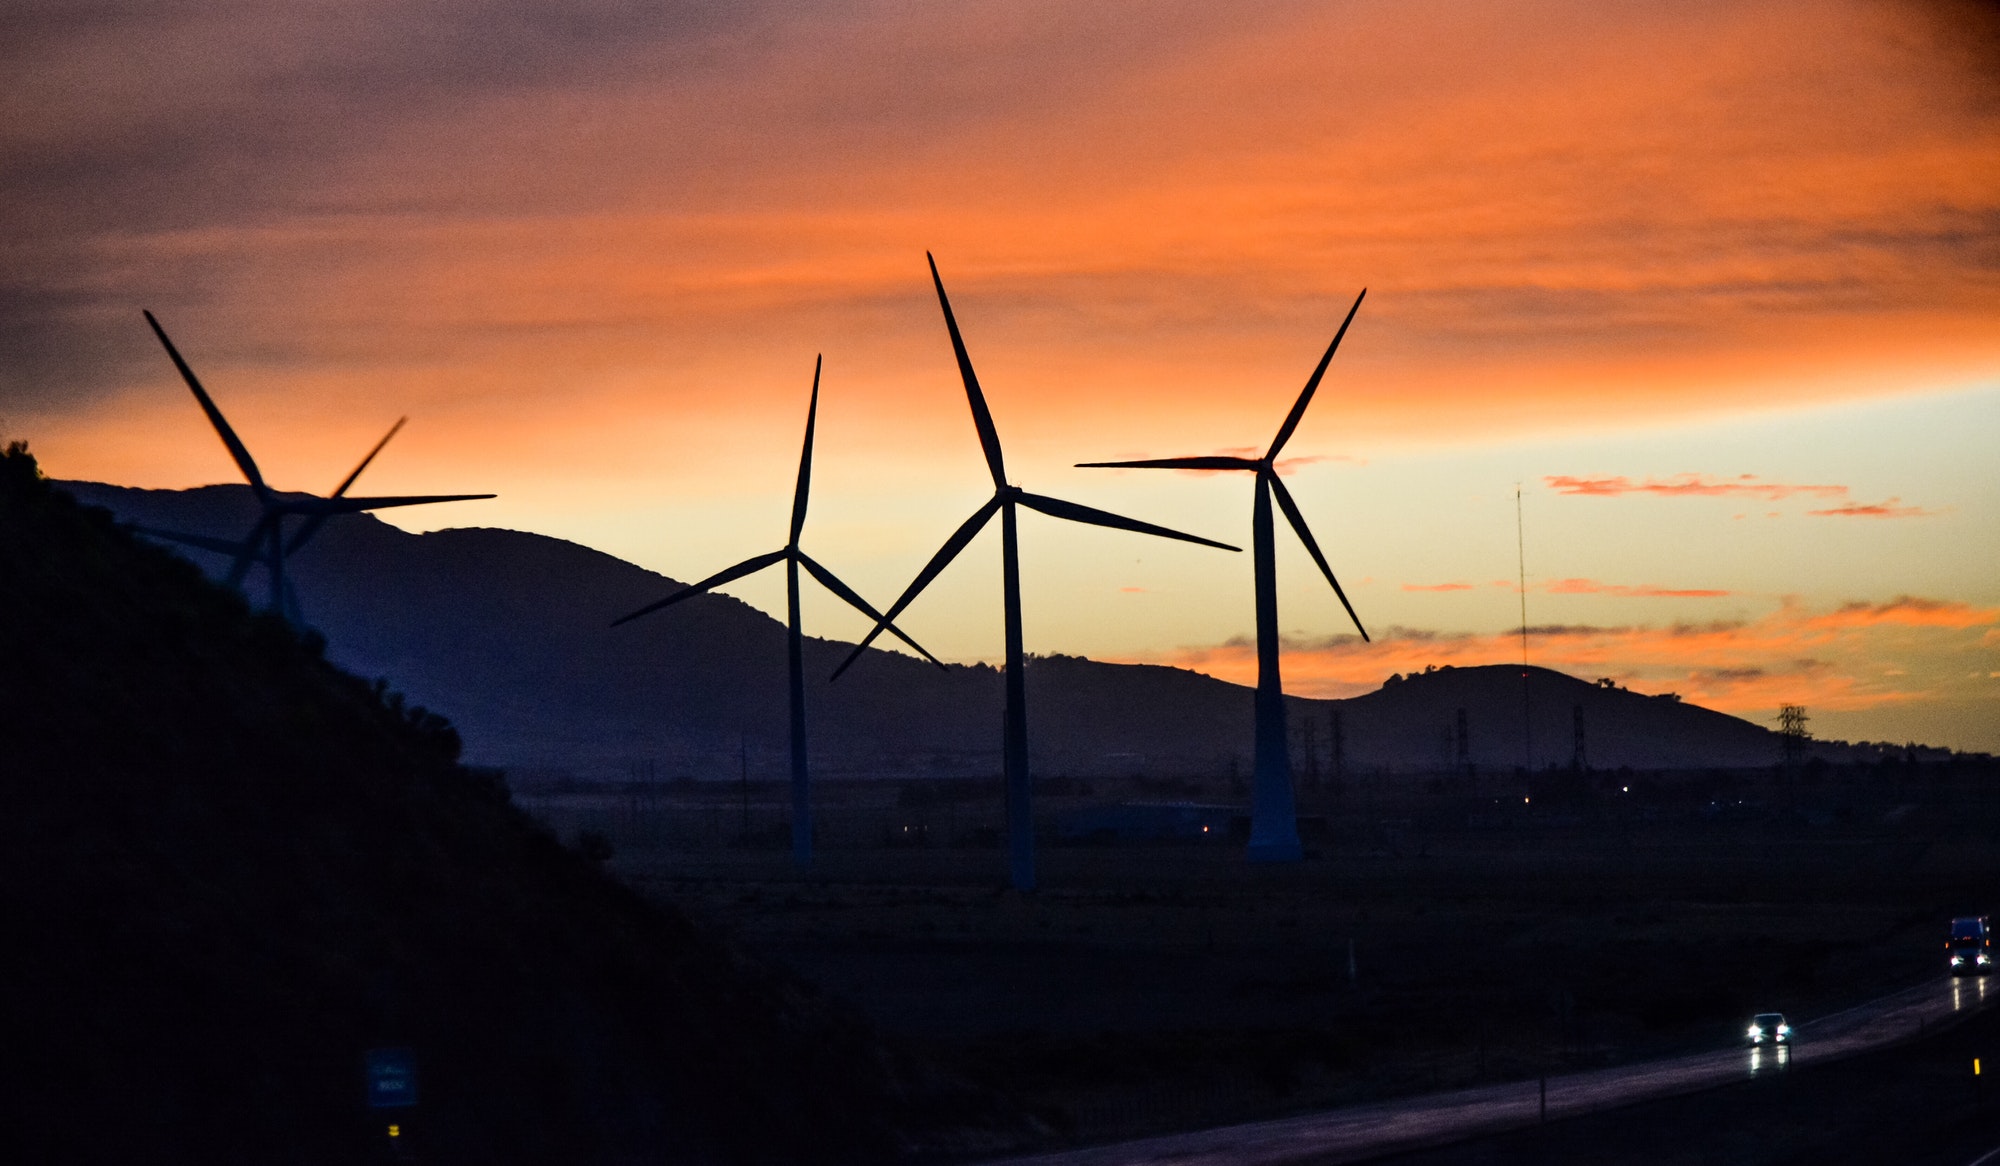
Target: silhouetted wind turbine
x=1014 y=739
x=257 y=543
x=793 y=558
x=1274 y=827
x=266 y=539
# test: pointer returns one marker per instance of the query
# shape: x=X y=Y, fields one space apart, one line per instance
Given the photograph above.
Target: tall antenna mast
x=1521 y=560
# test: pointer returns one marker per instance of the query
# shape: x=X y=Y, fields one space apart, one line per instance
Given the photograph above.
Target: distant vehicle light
x=1756 y=1033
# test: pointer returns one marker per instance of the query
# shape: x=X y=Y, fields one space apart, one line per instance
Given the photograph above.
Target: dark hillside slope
x=228 y=868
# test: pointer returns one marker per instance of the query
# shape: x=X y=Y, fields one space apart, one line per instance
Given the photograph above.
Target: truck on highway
x=1969 y=951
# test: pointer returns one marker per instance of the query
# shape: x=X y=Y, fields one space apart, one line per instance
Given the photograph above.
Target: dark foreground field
x=1149 y=988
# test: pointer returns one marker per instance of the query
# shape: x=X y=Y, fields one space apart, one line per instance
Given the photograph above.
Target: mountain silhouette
x=228 y=869
x=507 y=631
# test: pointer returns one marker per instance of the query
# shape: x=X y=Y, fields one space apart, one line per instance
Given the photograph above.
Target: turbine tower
x=266 y=539
x=1006 y=498
x=793 y=558
x=1274 y=825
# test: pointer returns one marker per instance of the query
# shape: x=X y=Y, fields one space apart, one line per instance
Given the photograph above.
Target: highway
x=1363 y=1132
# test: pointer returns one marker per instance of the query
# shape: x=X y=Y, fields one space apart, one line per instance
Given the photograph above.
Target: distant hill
x=1508 y=708
x=506 y=631
x=228 y=868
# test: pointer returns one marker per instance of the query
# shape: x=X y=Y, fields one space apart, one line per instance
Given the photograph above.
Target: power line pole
x=1792 y=738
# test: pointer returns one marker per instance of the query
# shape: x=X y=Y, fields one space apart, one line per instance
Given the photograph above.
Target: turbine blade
x=805 y=462
x=248 y=550
x=349 y=480
x=220 y=546
x=356 y=505
x=312 y=524
x=1057 y=508
x=1306 y=396
x=989 y=437
x=1175 y=463
x=240 y=568
x=831 y=582
x=728 y=575
x=946 y=553
x=237 y=449
x=1298 y=522
x=307 y=529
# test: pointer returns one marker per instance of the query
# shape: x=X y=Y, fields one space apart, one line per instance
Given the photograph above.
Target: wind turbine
x=266 y=539
x=1014 y=739
x=793 y=558
x=1274 y=825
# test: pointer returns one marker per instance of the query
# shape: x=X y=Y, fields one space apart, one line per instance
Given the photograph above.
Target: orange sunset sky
x=1716 y=285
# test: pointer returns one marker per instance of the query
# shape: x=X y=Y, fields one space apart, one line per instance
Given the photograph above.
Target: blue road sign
x=392 y=1078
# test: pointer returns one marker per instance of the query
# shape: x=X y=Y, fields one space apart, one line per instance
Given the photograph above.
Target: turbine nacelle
x=1266 y=467
x=790 y=552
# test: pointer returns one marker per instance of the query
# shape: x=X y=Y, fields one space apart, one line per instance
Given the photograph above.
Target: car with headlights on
x=1969 y=951
x=1768 y=1029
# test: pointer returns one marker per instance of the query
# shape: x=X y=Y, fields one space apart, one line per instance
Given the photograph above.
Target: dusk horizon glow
x=1714 y=286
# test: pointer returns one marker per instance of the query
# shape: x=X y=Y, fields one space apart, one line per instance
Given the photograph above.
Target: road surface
x=1363 y=1132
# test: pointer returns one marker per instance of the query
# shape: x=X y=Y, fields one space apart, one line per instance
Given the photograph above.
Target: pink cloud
x=1594 y=587
x=1643 y=591
x=1887 y=509
x=1437 y=586
x=1908 y=611
x=1689 y=485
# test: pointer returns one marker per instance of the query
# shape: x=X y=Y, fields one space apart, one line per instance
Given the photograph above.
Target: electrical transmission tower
x=1792 y=738
x=1792 y=734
